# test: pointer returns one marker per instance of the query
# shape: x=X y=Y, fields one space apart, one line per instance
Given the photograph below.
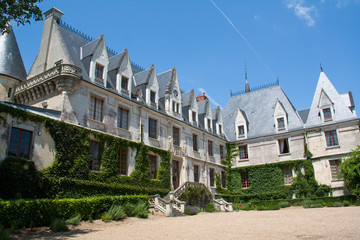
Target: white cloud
x=256 y=17
x=210 y=98
x=302 y=11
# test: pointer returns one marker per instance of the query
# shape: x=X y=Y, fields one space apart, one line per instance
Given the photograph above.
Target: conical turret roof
x=11 y=63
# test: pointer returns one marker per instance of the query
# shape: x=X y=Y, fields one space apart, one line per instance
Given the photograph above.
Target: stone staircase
x=170 y=205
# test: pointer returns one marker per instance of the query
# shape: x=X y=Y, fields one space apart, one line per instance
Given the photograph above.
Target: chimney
x=201 y=97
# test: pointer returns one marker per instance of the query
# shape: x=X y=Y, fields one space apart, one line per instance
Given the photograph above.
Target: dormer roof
x=90 y=48
x=11 y=63
x=143 y=77
x=116 y=60
x=167 y=81
x=326 y=93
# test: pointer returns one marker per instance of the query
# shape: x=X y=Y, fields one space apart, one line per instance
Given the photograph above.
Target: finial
x=321 y=69
x=247 y=87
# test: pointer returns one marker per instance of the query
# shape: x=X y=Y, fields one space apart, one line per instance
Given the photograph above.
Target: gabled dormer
x=169 y=92
x=280 y=117
x=94 y=56
x=205 y=115
x=120 y=73
x=190 y=107
x=147 y=87
x=328 y=105
x=217 y=121
x=241 y=124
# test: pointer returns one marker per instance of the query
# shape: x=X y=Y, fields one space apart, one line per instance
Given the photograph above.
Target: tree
x=350 y=170
x=21 y=11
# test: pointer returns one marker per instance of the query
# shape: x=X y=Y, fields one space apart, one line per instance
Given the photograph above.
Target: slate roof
x=202 y=105
x=141 y=77
x=164 y=79
x=259 y=108
x=304 y=114
x=11 y=63
x=341 y=109
x=54 y=114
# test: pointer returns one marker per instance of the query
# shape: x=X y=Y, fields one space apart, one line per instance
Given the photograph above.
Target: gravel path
x=289 y=223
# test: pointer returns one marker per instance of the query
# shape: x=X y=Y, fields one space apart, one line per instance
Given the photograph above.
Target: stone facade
x=83 y=83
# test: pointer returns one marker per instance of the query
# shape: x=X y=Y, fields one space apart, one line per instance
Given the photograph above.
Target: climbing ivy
x=73 y=153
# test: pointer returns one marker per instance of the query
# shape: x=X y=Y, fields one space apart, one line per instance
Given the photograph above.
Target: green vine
x=73 y=153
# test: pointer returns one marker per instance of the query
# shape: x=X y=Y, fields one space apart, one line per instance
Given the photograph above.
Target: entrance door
x=175 y=174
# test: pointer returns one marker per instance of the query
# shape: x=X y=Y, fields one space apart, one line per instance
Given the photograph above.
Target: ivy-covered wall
x=267 y=180
x=73 y=153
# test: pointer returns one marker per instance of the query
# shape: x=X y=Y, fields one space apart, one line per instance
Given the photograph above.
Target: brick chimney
x=201 y=97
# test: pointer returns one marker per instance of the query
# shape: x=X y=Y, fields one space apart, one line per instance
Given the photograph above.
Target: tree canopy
x=21 y=11
x=350 y=169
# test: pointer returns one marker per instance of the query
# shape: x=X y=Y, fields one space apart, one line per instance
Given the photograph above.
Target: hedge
x=74 y=188
x=40 y=212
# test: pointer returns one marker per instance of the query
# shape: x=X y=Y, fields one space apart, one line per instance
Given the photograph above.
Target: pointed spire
x=11 y=63
x=321 y=69
x=247 y=87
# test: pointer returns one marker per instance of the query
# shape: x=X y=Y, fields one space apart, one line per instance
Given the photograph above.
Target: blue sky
x=284 y=39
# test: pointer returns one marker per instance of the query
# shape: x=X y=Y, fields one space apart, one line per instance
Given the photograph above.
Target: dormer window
x=327 y=114
x=209 y=124
x=152 y=96
x=194 y=117
x=177 y=107
x=99 y=72
x=124 y=83
x=174 y=106
x=241 y=131
x=281 y=123
x=220 y=129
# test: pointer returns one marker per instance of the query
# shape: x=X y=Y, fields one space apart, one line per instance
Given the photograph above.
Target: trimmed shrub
x=190 y=210
x=41 y=212
x=141 y=210
x=58 y=225
x=284 y=204
x=129 y=209
x=74 y=220
x=268 y=206
x=247 y=206
x=346 y=203
x=210 y=208
x=307 y=203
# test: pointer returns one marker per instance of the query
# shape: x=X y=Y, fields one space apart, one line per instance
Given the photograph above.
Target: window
x=243 y=152
x=177 y=107
x=196 y=173
x=123 y=161
x=281 y=123
x=335 y=167
x=195 y=142
x=223 y=179
x=194 y=116
x=245 y=180
x=241 y=131
x=123 y=117
x=210 y=148
x=327 y=114
x=99 y=71
x=9 y=93
x=222 y=152
x=331 y=138
x=95 y=155
x=153 y=170
x=288 y=176
x=220 y=129
x=212 y=177
x=124 y=82
x=209 y=124
x=19 y=144
x=152 y=128
x=174 y=106
x=284 y=146
x=152 y=96
x=96 y=108
x=176 y=136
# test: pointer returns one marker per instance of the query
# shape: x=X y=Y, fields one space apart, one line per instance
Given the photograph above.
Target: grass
x=4 y=234
x=58 y=225
x=74 y=220
x=116 y=212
